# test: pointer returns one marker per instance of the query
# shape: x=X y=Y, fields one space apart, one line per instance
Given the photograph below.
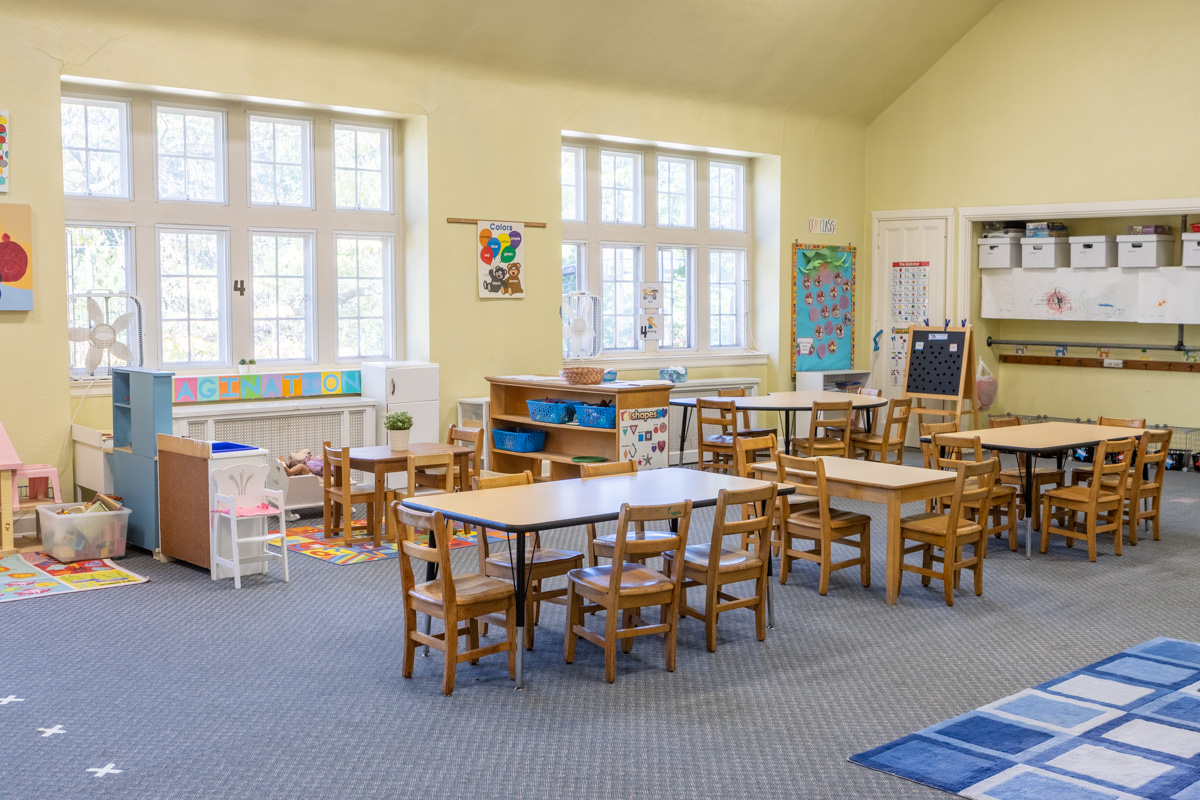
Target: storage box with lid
x=1191 y=249
x=1042 y=252
x=1144 y=250
x=84 y=536
x=1093 y=252
x=999 y=252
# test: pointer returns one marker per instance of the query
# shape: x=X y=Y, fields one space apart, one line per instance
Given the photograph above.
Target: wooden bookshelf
x=509 y=410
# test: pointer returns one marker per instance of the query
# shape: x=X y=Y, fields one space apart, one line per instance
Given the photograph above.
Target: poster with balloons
x=822 y=308
x=500 y=259
x=16 y=258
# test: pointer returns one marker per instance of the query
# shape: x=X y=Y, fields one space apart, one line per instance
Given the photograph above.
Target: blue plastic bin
x=517 y=440
x=596 y=416
x=555 y=411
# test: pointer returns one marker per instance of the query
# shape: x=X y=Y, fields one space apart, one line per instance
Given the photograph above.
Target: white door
x=910 y=287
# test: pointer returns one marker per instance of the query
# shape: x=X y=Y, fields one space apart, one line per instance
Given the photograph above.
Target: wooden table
x=1045 y=439
x=379 y=460
x=891 y=485
x=560 y=504
x=787 y=403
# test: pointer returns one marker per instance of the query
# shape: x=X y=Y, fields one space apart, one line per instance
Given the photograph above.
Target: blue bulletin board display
x=822 y=307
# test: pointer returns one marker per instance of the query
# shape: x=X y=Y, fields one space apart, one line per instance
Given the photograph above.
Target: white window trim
x=743 y=291
x=639 y=190
x=639 y=277
x=581 y=204
x=221 y=135
x=223 y=304
x=390 y=279
x=311 y=314
x=693 y=300
x=306 y=160
x=690 y=192
x=650 y=237
x=130 y=247
x=388 y=166
x=125 y=108
x=742 y=197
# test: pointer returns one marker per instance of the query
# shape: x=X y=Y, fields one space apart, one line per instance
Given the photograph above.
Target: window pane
x=281 y=284
x=370 y=147
x=170 y=134
x=620 y=187
x=95 y=147
x=725 y=307
x=192 y=268
x=675 y=272
x=103 y=127
x=361 y=160
x=618 y=288
x=362 y=302
x=280 y=162
x=726 y=196
x=98 y=260
x=74 y=125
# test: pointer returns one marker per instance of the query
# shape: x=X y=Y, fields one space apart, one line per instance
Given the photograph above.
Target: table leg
x=683 y=426
x=1030 y=502
x=788 y=421
x=895 y=547
x=380 y=493
x=519 y=588
x=770 y=568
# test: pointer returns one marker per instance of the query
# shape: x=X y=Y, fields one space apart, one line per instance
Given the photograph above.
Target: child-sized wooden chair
x=1145 y=476
x=744 y=428
x=887 y=446
x=828 y=430
x=602 y=546
x=952 y=449
x=340 y=495
x=449 y=597
x=1102 y=506
x=626 y=586
x=714 y=565
x=1015 y=476
x=1082 y=473
x=241 y=496
x=541 y=563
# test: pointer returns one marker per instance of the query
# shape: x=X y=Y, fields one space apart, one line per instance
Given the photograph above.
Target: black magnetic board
x=935 y=362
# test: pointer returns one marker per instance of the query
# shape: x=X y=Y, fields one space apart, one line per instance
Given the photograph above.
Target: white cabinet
x=410 y=386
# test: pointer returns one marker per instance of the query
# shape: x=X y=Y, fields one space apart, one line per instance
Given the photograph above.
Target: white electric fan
x=113 y=331
x=581 y=325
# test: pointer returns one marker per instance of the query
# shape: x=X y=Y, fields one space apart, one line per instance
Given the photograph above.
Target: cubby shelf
x=525 y=420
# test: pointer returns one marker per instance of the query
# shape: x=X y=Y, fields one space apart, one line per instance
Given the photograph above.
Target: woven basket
x=583 y=376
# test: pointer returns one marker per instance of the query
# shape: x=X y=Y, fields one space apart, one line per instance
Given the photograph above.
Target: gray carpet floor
x=293 y=691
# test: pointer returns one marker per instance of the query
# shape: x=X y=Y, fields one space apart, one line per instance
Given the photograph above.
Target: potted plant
x=244 y=367
x=399 y=426
x=253 y=366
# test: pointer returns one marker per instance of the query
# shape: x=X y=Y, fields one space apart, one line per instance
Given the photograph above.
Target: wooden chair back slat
x=718 y=413
x=607 y=468
x=758 y=507
x=637 y=516
x=1101 y=469
x=1122 y=422
x=973 y=483
x=436 y=551
x=834 y=418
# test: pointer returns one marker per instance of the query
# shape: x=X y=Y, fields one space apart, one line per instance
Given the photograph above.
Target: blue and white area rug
x=1123 y=728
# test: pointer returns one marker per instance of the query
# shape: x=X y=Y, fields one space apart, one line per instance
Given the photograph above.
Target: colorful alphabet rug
x=1124 y=728
x=307 y=540
x=27 y=575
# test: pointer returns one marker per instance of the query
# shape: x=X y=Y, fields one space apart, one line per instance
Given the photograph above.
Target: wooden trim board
x=1135 y=364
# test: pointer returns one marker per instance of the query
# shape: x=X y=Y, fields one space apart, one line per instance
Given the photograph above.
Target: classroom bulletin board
x=822 y=307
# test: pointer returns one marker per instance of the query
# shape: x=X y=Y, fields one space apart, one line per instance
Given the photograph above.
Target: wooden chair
x=834 y=420
x=626 y=587
x=450 y=598
x=1102 y=506
x=602 y=546
x=714 y=564
x=1015 y=476
x=721 y=414
x=860 y=416
x=540 y=562
x=439 y=469
x=822 y=525
x=952 y=530
x=467 y=437
x=340 y=494
x=1143 y=500
x=928 y=430
x=1082 y=474
x=889 y=441
x=745 y=453
x=949 y=451
x=744 y=429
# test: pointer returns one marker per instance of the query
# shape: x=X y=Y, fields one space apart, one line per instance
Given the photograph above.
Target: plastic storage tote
x=82 y=537
x=596 y=416
x=518 y=441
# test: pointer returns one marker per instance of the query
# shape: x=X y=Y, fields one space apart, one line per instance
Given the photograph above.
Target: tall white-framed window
x=574 y=184
x=620 y=273
x=676 y=270
x=99 y=259
x=190 y=154
x=676 y=192
x=362 y=167
x=280 y=161
x=95 y=136
x=282 y=295
x=621 y=192
x=574 y=267
x=364 y=307
x=726 y=196
x=193 y=273
x=726 y=297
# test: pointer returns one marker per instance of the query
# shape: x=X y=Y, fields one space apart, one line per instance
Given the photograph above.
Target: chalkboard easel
x=941 y=366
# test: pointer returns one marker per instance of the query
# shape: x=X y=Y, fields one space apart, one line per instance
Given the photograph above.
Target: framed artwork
x=16 y=258
x=3 y=151
x=822 y=307
x=500 y=258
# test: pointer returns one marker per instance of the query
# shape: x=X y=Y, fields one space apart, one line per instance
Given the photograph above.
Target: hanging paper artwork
x=822 y=308
x=650 y=327
x=16 y=258
x=500 y=258
x=3 y=151
x=643 y=436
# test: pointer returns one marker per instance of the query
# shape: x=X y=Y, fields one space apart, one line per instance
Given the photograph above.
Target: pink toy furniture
x=12 y=472
x=241 y=496
x=39 y=473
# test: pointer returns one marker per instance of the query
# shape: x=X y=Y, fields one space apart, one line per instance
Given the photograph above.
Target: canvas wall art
x=16 y=258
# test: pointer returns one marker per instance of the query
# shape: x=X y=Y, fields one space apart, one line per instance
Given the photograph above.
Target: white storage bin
x=1045 y=252
x=1000 y=252
x=1191 y=249
x=1093 y=252
x=82 y=537
x=1144 y=250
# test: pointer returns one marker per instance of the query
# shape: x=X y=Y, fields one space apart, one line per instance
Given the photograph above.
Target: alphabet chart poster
x=500 y=258
x=909 y=293
x=644 y=436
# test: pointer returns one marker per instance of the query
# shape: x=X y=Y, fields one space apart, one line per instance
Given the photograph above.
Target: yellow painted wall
x=1056 y=101
x=477 y=145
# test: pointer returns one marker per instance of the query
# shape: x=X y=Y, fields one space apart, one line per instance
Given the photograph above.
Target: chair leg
x=530 y=616
x=1046 y=527
x=927 y=563
x=826 y=562
x=283 y=548
x=410 y=644
x=978 y=571
x=1091 y=536
x=864 y=552
x=672 y=619
x=949 y=572
x=627 y=622
x=785 y=559
x=710 y=617
x=235 y=553
x=573 y=618
x=611 y=617
x=473 y=636
x=448 y=669
x=760 y=610
x=1119 y=533
x=214 y=525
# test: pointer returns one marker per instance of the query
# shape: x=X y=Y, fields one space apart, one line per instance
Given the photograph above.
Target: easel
x=925 y=343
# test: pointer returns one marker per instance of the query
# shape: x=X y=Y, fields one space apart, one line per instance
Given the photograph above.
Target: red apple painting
x=16 y=261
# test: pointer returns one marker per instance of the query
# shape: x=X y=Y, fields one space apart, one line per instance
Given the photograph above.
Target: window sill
x=660 y=360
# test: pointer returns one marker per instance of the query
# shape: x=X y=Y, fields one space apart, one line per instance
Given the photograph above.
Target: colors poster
x=500 y=259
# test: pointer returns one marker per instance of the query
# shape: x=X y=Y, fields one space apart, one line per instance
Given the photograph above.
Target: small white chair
x=242 y=494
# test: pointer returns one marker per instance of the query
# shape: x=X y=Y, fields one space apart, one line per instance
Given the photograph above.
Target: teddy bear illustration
x=497 y=276
x=512 y=284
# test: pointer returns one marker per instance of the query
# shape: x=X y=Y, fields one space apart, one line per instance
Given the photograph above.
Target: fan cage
x=112 y=305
